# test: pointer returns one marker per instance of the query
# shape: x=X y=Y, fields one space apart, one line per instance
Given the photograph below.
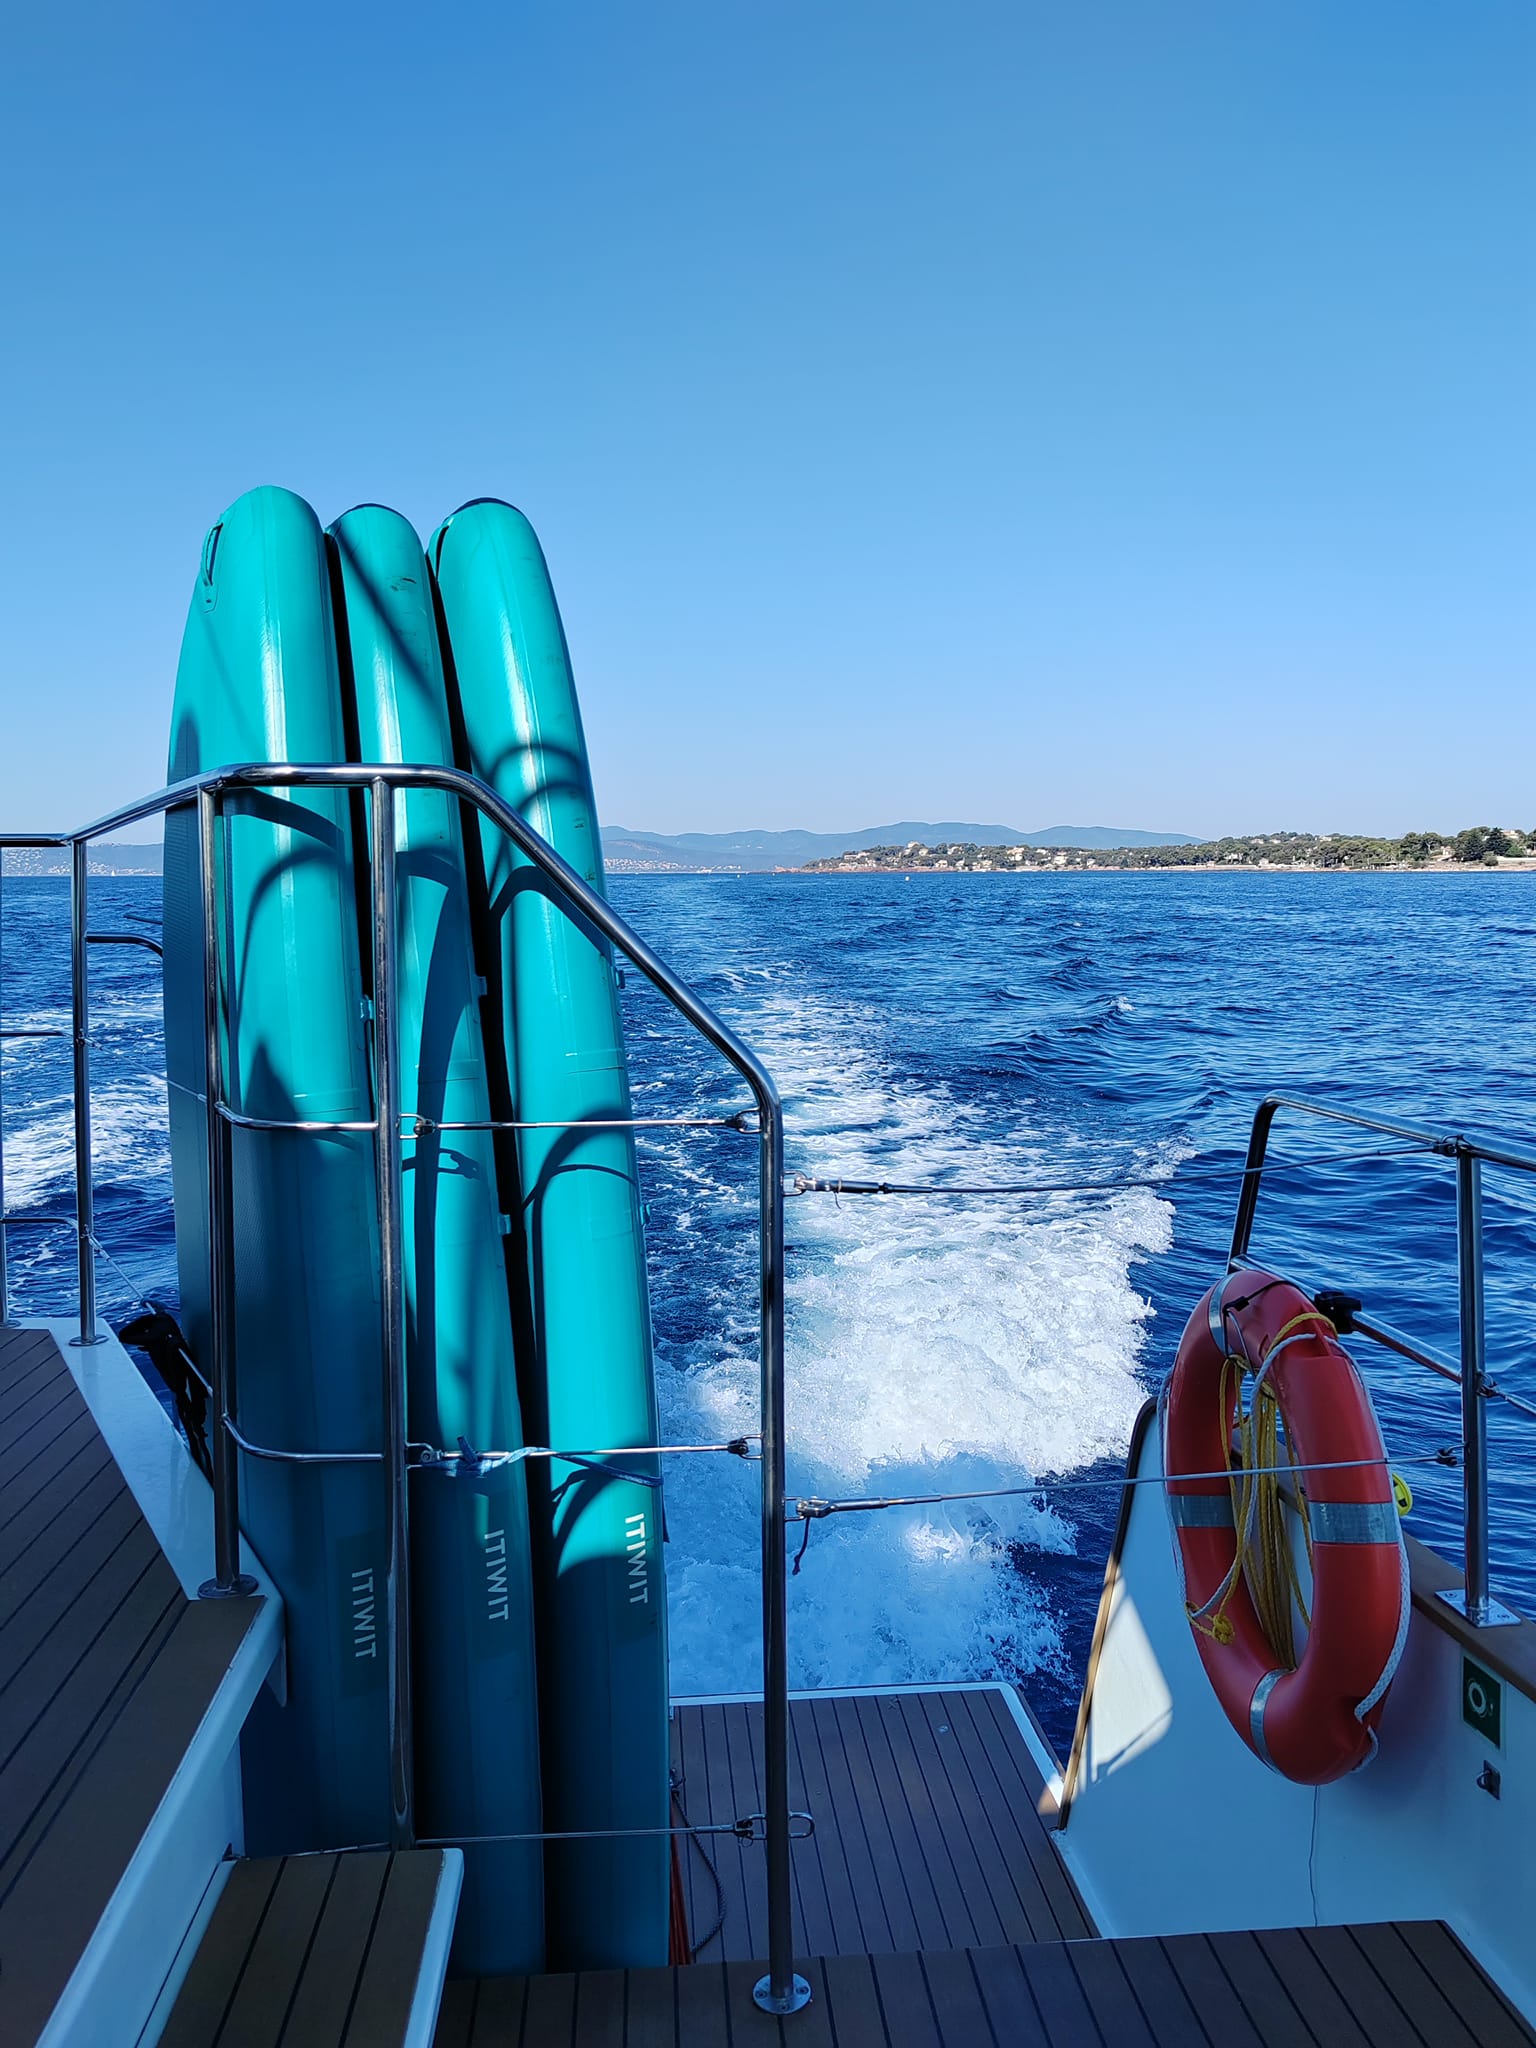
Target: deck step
x=327 y=1951
x=120 y=1703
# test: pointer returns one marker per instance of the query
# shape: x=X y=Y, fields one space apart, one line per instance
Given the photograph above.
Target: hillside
x=762 y=851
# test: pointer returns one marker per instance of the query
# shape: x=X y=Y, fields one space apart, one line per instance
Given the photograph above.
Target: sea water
x=958 y=1031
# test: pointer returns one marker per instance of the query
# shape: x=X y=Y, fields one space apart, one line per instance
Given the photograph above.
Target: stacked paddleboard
x=602 y=1607
x=538 y=1610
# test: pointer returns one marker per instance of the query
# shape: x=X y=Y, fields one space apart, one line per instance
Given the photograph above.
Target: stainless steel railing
x=781 y=1991
x=1470 y=1370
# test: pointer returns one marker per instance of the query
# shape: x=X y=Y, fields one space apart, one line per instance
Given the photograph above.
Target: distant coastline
x=1477 y=849
x=1187 y=867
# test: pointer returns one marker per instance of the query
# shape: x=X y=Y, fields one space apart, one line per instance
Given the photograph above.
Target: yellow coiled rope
x=1263 y=1552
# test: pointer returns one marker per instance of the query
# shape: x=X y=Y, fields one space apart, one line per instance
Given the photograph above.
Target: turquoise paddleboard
x=477 y=1756
x=586 y=1373
x=258 y=680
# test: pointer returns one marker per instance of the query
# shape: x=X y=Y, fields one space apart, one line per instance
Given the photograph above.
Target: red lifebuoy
x=1317 y=1722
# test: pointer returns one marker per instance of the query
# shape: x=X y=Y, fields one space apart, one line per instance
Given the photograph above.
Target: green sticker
x=1482 y=1702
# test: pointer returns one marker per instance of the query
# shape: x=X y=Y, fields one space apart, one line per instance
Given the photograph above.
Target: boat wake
x=935 y=1345
x=128 y=1151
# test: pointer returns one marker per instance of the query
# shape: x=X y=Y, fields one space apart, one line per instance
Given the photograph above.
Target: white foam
x=128 y=1126
x=935 y=1345
x=128 y=1134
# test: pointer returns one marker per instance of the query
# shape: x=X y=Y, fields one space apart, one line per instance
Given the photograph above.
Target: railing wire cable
x=807 y=1184
x=812 y=1508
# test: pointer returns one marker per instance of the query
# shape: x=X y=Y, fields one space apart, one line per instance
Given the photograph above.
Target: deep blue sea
x=957 y=1029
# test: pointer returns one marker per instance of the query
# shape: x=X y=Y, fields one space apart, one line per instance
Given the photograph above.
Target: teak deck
x=1410 y=1986
x=106 y=1671
x=927 y=1831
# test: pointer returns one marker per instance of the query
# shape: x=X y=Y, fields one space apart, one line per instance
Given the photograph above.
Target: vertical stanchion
x=781 y=1991
x=228 y=1581
x=79 y=997
x=391 y=1263
x=1473 y=1598
x=1248 y=1193
x=1474 y=1420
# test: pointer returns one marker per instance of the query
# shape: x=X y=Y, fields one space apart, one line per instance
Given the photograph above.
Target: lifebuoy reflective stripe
x=1317 y=1722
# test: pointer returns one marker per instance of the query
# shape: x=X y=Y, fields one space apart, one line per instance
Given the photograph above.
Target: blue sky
x=1025 y=413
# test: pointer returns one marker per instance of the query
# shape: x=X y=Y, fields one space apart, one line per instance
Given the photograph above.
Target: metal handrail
x=781 y=1990
x=126 y=939
x=1472 y=1598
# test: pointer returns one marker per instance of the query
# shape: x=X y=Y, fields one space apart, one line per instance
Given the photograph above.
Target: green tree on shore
x=1487 y=843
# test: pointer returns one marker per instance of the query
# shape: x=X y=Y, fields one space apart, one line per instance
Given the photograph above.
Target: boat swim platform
x=932 y=1835
x=936 y=1912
